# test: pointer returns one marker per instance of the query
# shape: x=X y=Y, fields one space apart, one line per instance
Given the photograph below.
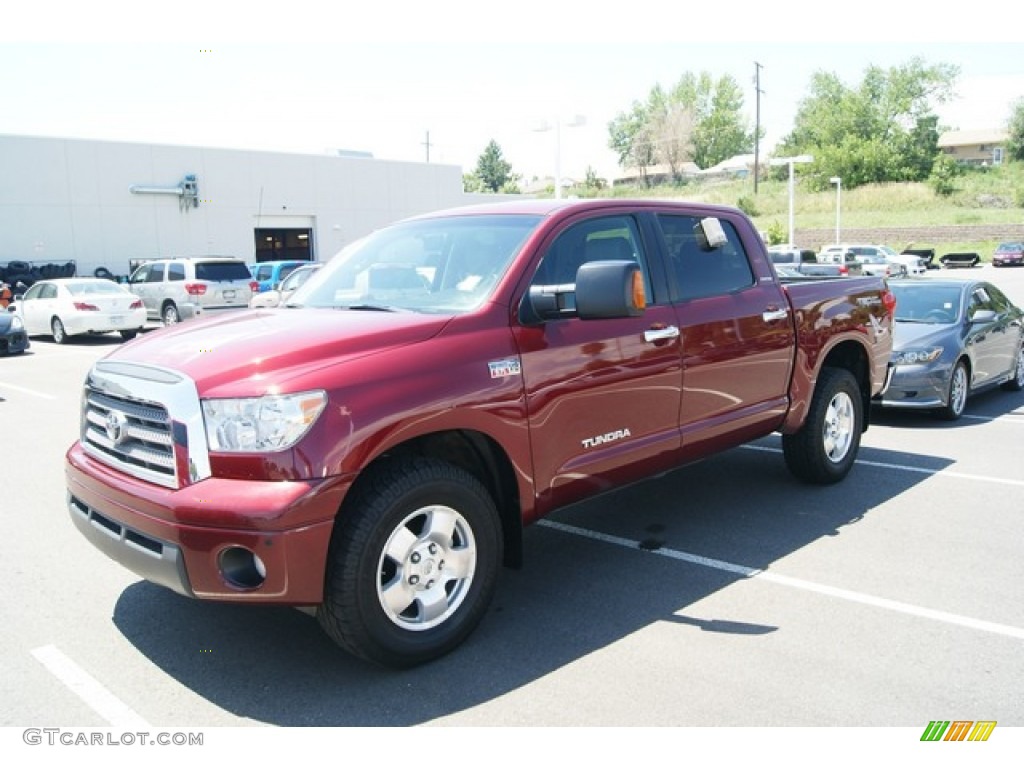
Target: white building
x=110 y=204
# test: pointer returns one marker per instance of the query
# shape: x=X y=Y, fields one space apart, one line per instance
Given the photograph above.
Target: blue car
x=270 y=273
x=951 y=339
x=13 y=339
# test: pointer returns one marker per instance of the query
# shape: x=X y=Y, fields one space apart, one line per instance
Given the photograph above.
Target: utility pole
x=427 y=145
x=757 y=122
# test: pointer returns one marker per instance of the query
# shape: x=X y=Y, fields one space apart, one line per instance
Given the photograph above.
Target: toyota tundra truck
x=373 y=449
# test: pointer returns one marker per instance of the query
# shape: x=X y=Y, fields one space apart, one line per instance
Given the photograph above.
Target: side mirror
x=603 y=289
x=983 y=316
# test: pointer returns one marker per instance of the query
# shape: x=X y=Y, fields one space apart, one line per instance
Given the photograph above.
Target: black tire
x=128 y=335
x=1016 y=384
x=414 y=559
x=60 y=335
x=169 y=314
x=825 y=448
x=103 y=273
x=956 y=394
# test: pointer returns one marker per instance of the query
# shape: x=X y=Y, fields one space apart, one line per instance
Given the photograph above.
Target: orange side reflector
x=639 y=299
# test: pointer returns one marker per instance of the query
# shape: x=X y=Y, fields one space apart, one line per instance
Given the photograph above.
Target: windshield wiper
x=372 y=308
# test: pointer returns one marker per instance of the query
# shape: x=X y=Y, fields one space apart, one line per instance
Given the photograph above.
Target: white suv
x=181 y=288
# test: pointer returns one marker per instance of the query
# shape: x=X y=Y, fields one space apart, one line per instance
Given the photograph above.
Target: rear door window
x=222 y=271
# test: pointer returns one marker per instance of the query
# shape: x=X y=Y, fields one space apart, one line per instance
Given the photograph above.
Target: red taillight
x=889 y=300
x=81 y=306
x=137 y=304
x=195 y=289
x=254 y=286
x=843 y=269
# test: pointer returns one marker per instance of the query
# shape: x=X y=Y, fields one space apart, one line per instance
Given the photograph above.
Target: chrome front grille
x=145 y=421
x=136 y=437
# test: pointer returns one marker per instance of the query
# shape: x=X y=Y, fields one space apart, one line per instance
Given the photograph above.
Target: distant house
x=655 y=174
x=980 y=147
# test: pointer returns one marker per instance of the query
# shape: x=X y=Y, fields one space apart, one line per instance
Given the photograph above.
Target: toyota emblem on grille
x=115 y=426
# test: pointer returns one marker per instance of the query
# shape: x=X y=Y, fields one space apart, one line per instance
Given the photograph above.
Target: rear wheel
x=413 y=563
x=57 y=329
x=128 y=335
x=956 y=396
x=170 y=314
x=1016 y=384
x=824 y=449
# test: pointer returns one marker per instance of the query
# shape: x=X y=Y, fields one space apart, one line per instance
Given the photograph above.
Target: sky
x=438 y=81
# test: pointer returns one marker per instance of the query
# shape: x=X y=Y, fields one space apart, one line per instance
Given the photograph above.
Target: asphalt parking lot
x=722 y=594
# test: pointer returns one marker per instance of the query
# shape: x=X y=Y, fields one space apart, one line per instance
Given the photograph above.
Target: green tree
x=493 y=173
x=699 y=120
x=884 y=129
x=1015 y=127
x=719 y=131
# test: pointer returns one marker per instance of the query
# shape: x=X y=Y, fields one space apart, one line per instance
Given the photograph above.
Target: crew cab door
x=738 y=336
x=602 y=394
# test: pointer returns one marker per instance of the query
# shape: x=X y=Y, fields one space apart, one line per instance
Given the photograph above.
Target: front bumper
x=190 y=539
x=917 y=386
x=14 y=342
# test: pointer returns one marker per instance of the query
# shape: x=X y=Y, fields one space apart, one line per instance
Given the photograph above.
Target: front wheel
x=413 y=564
x=824 y=449
x=956 y=396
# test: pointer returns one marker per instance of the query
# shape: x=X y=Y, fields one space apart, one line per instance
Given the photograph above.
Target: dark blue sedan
x=12 y=334
x=951 y=339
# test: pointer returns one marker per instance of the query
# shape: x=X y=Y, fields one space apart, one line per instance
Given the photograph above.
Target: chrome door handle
x=774 y=314
x=661 y=334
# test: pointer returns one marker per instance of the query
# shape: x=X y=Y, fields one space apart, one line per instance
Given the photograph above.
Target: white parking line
x=26 y=391
x=89 y=690
x=908 y=468
x=788 y=581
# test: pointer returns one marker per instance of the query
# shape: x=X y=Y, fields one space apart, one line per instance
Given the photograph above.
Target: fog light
x=242 y=568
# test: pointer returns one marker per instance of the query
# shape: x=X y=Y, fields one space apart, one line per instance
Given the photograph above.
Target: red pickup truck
x=373 y=448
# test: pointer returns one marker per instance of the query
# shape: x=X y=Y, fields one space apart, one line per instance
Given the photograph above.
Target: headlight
x=16 y=324
x=917 y=356
x=269 y=423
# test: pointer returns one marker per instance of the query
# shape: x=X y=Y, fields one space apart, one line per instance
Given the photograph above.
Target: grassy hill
x=983 y=196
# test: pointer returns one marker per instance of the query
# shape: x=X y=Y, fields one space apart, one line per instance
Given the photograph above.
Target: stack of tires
x=15 y=272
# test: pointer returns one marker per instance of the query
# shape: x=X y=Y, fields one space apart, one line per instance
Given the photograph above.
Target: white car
x=904 y=265
x=915 y=264
x=72 y=306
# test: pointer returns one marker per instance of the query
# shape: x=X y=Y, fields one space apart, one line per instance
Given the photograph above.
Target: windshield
x=927 y=304
x=442 y=265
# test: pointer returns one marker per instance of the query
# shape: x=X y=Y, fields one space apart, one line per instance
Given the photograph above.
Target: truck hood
x=252 y=351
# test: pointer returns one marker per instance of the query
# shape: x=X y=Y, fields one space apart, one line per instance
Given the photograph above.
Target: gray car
x=182 y=288
x=952 y=339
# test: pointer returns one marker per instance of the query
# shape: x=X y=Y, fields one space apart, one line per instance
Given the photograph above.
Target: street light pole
x=576 y=121
x=791 y=161
x=839 y=185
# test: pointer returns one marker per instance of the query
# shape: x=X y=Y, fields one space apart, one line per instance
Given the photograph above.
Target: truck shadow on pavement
x=575 y=595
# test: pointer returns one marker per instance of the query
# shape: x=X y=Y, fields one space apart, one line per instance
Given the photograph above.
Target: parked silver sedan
x=78 y=305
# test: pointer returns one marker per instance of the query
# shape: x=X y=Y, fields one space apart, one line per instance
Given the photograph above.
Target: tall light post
x=575 y=122
x=791 y=161
x=839 y=186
